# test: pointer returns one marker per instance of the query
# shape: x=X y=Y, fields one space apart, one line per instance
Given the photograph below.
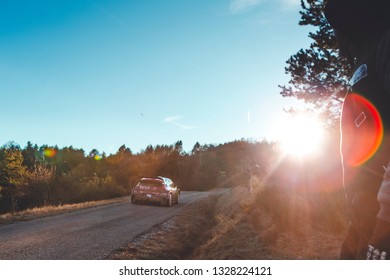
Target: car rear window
x=151 y=185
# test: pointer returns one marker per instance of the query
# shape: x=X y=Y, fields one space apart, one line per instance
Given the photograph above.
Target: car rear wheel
x=133 y=200
x=169 y=202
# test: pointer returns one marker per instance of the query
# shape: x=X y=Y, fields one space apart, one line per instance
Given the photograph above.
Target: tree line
x=35 y=176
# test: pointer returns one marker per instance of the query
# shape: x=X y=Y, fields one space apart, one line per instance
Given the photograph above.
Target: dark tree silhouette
x=319 y=75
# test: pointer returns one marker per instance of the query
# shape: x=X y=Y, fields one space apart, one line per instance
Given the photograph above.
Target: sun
x=301 y=136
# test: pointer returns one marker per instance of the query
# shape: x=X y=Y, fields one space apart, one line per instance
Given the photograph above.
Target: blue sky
x=100 y=73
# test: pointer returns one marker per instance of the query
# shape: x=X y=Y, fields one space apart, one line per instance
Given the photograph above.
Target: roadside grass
x=51 y=210
x=254 y=222
x=264 y=222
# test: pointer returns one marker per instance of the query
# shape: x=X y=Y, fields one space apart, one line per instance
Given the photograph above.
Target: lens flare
x=97 y=157
x=49 y=152
x=362 y=130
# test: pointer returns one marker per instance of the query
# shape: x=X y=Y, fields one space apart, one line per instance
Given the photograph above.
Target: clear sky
x=103 y=73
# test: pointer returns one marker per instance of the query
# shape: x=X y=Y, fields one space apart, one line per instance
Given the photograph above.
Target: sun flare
x=301 y=136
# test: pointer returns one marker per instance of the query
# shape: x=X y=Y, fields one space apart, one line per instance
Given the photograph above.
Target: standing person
x=362 y=28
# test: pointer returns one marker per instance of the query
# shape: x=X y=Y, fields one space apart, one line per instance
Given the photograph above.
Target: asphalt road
x=87 y=234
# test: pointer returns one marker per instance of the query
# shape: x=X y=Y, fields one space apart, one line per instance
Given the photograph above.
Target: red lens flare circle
x=362 y=130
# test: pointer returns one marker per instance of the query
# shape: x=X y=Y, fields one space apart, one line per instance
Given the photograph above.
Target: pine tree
x=319 y=75
x=11 y=174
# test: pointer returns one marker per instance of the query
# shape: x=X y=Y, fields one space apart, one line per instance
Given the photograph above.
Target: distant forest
x=38 y=176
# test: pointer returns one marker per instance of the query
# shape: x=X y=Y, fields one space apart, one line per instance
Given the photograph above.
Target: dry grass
x=253 y=222
x=52 y=210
